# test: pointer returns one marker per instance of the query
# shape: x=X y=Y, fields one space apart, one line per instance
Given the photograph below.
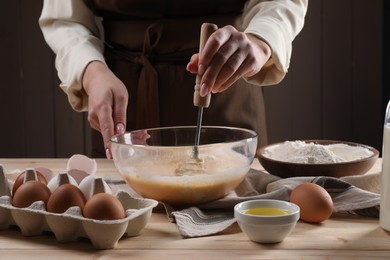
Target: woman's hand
x=107 y=101
x=227 y=56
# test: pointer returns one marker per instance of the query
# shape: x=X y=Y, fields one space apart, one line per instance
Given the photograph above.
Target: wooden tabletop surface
x=340 y=237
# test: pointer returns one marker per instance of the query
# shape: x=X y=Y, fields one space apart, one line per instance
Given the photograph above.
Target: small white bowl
x=266 y=228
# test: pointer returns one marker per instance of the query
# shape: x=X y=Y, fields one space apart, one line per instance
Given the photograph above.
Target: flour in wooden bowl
x=312 y=153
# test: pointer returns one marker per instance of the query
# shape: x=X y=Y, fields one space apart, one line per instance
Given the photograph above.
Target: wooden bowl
x=289 y=169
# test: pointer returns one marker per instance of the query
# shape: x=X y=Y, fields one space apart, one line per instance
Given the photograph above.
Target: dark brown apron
x=148 y=45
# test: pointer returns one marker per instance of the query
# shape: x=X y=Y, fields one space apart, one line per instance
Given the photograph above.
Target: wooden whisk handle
x=206 y=30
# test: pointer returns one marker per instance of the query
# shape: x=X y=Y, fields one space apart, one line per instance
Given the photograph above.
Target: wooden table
x=340 y=237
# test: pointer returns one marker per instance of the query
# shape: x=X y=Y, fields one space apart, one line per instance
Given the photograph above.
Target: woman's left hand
x=227 y=56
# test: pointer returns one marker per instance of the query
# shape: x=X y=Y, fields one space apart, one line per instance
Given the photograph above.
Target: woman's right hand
x=107 y=101
x=228 y=55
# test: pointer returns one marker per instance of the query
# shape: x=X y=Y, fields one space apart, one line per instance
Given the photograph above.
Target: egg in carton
x=72 y=225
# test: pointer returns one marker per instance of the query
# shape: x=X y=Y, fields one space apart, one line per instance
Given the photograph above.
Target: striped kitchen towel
x=355 y=195
x=216 y=216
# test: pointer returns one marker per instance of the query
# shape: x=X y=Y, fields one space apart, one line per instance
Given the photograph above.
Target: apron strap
x=148 y=108
x=147 y=89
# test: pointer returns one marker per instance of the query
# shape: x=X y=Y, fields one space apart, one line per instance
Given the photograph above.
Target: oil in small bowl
x=266 y=211
x=266 y=221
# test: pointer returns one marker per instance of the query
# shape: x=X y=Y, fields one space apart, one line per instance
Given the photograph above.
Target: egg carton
x=71 y=225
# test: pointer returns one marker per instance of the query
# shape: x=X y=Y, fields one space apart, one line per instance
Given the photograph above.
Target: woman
x=132 y=72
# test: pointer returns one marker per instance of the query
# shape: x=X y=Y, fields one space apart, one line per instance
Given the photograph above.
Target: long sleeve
x=277 y=23
x=71 y=31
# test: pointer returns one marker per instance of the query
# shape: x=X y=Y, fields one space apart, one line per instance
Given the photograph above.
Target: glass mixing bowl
x=158 y=163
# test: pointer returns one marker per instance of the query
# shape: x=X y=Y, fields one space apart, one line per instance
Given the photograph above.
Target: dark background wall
x=335 y=88
x=37 y=120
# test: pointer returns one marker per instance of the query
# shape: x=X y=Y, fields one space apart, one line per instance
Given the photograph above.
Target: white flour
x=301 y=152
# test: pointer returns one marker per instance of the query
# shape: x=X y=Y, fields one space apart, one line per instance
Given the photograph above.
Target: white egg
x=91 y=185
x=60 y=179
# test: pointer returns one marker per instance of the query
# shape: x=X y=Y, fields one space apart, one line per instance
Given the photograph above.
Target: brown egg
x=314 y=201
x=65 y=196
x=20 y=179
x=103 y=206
x=30 y=192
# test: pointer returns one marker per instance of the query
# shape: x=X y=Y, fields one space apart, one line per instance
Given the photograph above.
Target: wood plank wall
x=334 y=88
x=36 y=118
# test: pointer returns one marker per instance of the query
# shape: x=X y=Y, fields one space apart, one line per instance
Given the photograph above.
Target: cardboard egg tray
x=71 y=225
